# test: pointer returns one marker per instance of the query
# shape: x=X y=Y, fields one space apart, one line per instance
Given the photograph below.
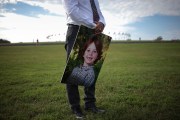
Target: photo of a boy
x=91 y=52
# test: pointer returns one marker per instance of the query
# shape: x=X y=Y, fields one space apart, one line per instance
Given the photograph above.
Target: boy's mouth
x=89 y=58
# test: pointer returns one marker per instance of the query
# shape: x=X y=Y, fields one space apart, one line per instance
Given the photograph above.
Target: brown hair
x=98 y=44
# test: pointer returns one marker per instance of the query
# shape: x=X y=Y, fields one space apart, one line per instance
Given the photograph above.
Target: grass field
x=137 y=82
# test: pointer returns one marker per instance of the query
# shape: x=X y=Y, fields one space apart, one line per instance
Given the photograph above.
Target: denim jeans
x=72 y=90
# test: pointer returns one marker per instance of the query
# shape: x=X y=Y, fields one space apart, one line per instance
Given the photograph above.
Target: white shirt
x=79 y=12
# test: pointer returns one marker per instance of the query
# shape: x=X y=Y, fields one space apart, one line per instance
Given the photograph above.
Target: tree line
x=4 y=41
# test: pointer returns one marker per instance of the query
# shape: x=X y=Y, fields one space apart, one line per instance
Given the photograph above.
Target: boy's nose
x=90 y=53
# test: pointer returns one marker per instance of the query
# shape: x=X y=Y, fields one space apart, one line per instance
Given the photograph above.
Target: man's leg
x=72 y=90
x=90 y=100
x=89 y=97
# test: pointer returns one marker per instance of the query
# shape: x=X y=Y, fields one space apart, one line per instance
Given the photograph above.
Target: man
x=87 y=13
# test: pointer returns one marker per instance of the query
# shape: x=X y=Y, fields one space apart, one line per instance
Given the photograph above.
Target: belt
x=73 y=25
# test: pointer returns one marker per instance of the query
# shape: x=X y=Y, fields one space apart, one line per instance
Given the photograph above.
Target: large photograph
x=86 y=58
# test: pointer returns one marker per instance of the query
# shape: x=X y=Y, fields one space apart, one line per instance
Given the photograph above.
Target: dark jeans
x=72 y=90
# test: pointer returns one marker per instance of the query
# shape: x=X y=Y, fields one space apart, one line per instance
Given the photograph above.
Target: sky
x=45 y=20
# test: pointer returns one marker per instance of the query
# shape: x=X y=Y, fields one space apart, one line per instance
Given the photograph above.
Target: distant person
x=37 y=42
x=84 y=74
x=87 y=13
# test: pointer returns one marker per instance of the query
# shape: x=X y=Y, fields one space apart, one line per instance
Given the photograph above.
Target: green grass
x=137 y=82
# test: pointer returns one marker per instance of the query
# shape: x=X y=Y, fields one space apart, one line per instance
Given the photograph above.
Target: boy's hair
x=98 y=44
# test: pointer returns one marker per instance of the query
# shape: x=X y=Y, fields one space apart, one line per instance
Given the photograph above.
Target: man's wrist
x=93 y=26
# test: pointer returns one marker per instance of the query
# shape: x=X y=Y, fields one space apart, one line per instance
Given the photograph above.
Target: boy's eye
x=95 y=51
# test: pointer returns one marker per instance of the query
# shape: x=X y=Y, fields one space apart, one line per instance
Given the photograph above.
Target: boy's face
x=90 y=55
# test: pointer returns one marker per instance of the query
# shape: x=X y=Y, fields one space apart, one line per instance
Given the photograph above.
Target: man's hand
x=99 y=27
